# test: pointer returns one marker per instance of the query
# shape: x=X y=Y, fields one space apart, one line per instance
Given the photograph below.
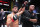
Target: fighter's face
x=32 y=7
x=15 y=9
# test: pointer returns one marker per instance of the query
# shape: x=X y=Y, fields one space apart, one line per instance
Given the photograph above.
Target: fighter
x=12 y=19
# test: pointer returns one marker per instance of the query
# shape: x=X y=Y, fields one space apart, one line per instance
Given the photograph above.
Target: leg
x=3 y=23
x=0 y=23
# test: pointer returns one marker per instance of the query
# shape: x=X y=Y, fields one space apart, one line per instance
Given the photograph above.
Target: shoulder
x=9 y=15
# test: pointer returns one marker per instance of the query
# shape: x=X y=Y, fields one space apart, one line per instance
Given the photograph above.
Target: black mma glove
x=15 y=17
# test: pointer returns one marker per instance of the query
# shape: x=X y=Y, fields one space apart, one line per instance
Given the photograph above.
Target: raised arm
x=20 y=12
x=15 y=17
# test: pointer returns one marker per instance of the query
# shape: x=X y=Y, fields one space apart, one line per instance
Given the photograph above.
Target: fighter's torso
x=15 y=23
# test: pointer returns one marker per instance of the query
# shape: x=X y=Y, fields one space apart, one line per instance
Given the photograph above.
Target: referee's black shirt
x=25 y=22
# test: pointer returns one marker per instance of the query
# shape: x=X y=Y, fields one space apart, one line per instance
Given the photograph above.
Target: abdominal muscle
x=14 y=24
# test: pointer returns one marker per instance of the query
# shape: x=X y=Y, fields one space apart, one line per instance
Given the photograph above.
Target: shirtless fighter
x=12 y=19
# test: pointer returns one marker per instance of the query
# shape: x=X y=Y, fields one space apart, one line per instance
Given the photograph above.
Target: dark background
x=20 y=2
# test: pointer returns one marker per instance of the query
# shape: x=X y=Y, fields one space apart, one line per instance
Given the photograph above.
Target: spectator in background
x=3 y=17
x=16 y=3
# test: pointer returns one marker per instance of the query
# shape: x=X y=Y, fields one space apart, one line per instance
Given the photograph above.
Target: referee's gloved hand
x=23 y=5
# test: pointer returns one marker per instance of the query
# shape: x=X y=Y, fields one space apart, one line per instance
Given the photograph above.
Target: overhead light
x=0 y=3
x=6 y=4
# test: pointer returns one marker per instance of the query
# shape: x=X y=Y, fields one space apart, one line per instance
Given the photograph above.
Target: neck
x=13 y=13
x=30 y=10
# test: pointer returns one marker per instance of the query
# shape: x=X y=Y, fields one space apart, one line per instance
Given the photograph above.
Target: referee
x=28 y=17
